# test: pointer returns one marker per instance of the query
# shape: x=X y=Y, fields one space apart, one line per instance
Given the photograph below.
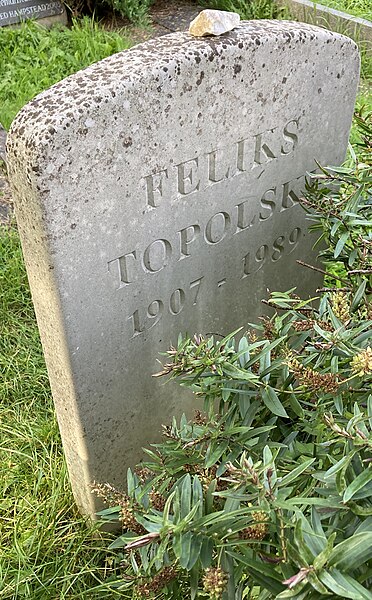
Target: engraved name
x=249 y=155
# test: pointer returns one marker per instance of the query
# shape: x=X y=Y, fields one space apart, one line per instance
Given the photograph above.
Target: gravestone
x=15 y=11
x=155 y=194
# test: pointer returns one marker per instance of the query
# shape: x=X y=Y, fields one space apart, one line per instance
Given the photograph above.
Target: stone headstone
x=15 y=11
x=155 y=194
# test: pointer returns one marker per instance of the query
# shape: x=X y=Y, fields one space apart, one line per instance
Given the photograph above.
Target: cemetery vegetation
x=137 y=11
x=134 y=11
x=33 y=58
x=256 y=9
x=47 y=550
x=358 y=8
x=267 y=491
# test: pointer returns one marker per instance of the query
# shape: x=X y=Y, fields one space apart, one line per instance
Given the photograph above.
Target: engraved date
x=253 y=262
x=156 y=308
x=144 y=320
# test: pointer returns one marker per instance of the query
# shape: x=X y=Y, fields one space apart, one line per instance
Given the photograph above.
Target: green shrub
x=267 y=493
x=134 y=10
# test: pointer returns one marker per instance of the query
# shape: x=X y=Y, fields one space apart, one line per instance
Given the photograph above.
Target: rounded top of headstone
x=73 y=105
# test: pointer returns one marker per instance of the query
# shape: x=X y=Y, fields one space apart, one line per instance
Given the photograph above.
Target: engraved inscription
x=250 y=155
x=217 y=227
x=16 y=10
x=155 y=309
x=161 y=253
x=142 y=321
x=253 y=262
x=188 y=177
x=187 y=236
x=157 y=256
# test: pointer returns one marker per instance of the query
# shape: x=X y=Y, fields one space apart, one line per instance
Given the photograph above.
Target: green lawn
x=358 y=8
x=46 y=550
x=32 y=59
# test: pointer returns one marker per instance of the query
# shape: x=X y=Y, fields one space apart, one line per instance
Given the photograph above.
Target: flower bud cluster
x=157 y=583
x=157 y=500
x=200 y=418
x=306 y=324
x=214 y=582
x=313 y=380
x=259 y=530
x=108 y=493
x=340 y=306
x=128 y=518
x=269 y=328
x=143 y=474
x=114 y=497
x=362 y=362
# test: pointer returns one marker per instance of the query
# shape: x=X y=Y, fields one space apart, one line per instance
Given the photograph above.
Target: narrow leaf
x=352 y=552
x=343 y=585
x=185 y=496
x=358 y=295
x=357 y=484
x=214 y=455
x=341 y=243
x=272 y=402
x=296 y=472
x=206 y=552
x=185 y=549
x=195 y=547
x=243 y=349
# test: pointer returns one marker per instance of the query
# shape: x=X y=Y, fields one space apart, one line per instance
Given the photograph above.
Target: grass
x=254 y=9
x=266 y=9
x=358 y=8
x=32 y=58
x=47 y=551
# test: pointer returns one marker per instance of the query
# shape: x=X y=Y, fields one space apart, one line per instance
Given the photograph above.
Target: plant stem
x=303 y=264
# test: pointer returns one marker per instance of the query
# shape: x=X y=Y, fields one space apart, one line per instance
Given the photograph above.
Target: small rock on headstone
x=213 y=22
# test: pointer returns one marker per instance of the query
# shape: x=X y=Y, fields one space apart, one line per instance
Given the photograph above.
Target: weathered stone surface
x=156 y=193
x=2 y=143
x=213 y=22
